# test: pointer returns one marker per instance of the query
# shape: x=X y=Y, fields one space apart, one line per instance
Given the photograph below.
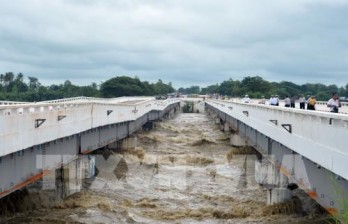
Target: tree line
x=257 y=87
x=18 y=88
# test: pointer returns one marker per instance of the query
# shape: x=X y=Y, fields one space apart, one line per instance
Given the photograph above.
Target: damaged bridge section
x=36 y=138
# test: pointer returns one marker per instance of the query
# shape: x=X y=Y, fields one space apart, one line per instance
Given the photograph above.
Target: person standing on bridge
x=311 y=103
x=334 y=103
x=246 y=99
x=273 y=101
x=287 y=101
x=277 y=100
x=302 y=100
x=292 y=101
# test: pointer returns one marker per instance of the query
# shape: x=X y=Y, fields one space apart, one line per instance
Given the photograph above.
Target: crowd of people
x=334 y=103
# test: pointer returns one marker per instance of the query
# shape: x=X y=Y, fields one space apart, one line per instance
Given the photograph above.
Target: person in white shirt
x=287 y=101
x=246 y=99
x=334 y=103
x=302 y=100
x=273 y=101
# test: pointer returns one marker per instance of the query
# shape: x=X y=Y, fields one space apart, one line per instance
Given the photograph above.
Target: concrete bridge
x=300 y=148
x=306 y=149
x=38 y=137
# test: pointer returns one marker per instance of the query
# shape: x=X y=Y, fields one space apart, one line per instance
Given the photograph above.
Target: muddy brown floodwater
x=183 y=171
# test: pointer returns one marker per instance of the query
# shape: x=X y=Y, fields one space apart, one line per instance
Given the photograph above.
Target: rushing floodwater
x=181 y=172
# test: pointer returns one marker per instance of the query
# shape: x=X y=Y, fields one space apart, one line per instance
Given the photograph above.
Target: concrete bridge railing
x=26 y=125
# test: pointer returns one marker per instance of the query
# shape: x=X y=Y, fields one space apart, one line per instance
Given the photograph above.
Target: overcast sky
x=187 y=42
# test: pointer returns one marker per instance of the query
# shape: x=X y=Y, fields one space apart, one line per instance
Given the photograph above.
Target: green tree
x=161 y=88
x=19 y=83
x=8 y=80
x=190 y=90
x=210 y=89
x=34 y=83
x=2 y=79
x=226 y=87
x=121 y=86
x=255 y=84
x=288 y=88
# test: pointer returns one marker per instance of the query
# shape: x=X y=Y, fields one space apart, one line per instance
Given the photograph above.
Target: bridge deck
x=24 y=125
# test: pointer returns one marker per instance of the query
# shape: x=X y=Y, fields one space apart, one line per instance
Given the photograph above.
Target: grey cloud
x=186 y=42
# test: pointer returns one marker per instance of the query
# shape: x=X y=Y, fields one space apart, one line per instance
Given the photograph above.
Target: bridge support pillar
x=211 y=113
x=237 y=140
x=217 y=121
x=69 y=178
x=278 y=195
x=226 y=127
x=199 y=107
x=269 y=176
x=129 y=143
x=148 y=126
x=171 y=113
